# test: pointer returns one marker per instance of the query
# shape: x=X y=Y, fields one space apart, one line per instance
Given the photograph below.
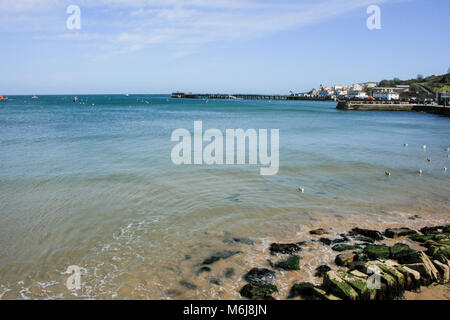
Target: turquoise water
x=95 y=186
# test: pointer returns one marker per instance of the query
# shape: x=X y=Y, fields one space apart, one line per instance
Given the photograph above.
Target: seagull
x=405 y=145
x=448 y=149
x=429 y=159
x=420 y=171
x=301 y=189
x=445 y=169
x=387 y=173
x=424 y=146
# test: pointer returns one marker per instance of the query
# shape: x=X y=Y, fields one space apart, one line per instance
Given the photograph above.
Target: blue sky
x=260 y=46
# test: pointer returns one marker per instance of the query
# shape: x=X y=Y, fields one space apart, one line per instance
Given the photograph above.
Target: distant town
x=434 y=89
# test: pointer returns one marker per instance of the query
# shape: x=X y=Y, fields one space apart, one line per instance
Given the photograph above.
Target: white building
x=386 y=94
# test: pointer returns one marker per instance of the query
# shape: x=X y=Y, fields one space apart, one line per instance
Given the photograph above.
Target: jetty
x=393 y=106
x=239 y=96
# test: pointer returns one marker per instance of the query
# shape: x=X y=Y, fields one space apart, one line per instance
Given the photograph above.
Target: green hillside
x=432 y=83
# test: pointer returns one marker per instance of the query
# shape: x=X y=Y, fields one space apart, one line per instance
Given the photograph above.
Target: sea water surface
x=92 y=184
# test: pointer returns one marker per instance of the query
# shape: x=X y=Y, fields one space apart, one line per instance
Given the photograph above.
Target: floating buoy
x=387 y=173
x=301 y=189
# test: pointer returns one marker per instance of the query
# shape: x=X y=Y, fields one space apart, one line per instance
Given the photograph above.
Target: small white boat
x=34 y=97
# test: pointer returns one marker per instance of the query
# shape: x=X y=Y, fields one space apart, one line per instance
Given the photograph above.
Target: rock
x=319 y=231
x=344 y=247
x=247 y=241
x=419 y=261
x=359 y=274
x=415 y=217
x=376 y=235
x=301 y=243
x=203 y=269
x=430 y=230
x=259 y=275
x=321 y=270
x=439 y=250
x=446 y=228
x=291 y=263
x=377 y=251
x=400 y=250
x=326 y=241
x=398 y=232
x=215 y=281
x=359 y=285
x=421 y=238
x=219 y=256
x=284 y=248
x=188 y=285
x=341 y=240
x=261 y=291
x=364 y=239
x=398 y=276
x=389 y=287
x=229 y=272
x=426 y=276
x=440 y=236
x=307 y=291
x=344 y=259
x=337 y=286
x=412 y=278
x=443 y=269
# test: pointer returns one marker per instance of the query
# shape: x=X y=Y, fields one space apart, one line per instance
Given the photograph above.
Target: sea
x=91 y=186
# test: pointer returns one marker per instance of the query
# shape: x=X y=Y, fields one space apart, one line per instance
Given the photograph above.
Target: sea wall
x=445 y=111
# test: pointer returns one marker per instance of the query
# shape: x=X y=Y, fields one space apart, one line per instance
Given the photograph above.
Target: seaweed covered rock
x=284 y=248
x=421 y=238
x=333 y=283
x=344 y=247
x=374 y=234
x=260 y=291
x=374 y=251
x=436 y=250
x=398 y=232
x=431 y=230
x=259 y=275
x=400 y=250
x=308 y=291
x=347 y=258
x=291 y=263
x=359 y=285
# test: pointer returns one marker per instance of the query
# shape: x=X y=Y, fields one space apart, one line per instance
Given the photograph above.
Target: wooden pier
x=225 y=96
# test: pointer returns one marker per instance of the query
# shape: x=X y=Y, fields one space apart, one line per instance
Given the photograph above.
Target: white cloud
x=130 y=25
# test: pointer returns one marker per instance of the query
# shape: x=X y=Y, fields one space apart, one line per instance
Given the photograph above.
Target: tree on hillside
x=419 y=77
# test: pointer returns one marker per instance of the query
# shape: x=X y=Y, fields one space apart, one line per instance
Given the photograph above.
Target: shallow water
x=95 y=187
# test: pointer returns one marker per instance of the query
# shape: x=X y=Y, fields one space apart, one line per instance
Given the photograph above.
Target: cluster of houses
x=357 y=91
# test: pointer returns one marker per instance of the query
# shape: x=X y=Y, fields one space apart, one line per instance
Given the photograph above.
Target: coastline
x=314 y=253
